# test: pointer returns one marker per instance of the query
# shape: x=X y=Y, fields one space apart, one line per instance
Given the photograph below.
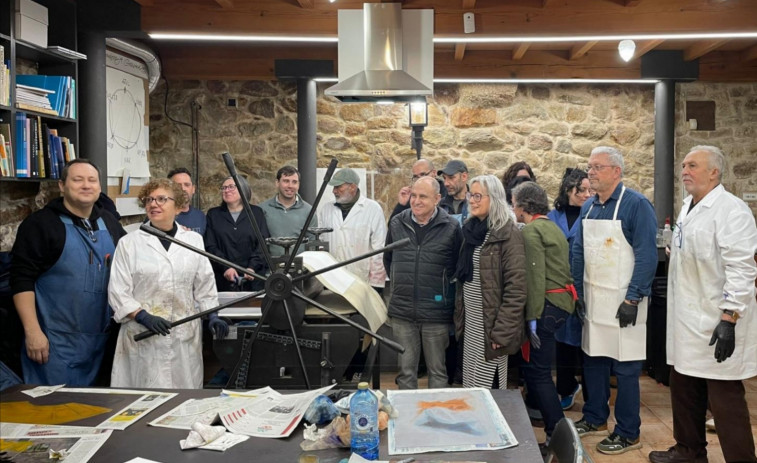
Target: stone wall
x=735 y=133
x=488 y=126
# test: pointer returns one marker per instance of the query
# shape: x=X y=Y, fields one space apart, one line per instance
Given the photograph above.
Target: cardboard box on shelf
x=31 y=22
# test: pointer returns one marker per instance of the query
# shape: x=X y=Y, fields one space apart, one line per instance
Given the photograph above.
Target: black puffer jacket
x=422 y=273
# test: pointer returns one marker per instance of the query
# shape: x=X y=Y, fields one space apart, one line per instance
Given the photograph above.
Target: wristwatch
x=732 y=314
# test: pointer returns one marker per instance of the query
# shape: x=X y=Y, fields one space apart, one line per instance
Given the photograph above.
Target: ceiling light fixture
x=626 y=48
x=465 y=80
x=463 y=39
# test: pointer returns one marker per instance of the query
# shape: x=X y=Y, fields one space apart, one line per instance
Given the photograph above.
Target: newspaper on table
x=270 y=415
x=447 y=420
x=206 y=411
x=136 y=410
x=40 y=391
x=77 y=443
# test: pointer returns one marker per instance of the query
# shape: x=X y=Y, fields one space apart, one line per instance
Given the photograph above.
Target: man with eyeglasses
x=189 y=217
x=59 y=278
x=614 y=262
x=711 y=328
x=421 y=168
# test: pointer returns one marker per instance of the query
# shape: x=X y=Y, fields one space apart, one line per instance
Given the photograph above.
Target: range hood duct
x=385 y=54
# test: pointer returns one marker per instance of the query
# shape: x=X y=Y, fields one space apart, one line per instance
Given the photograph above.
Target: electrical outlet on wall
x=750 y=197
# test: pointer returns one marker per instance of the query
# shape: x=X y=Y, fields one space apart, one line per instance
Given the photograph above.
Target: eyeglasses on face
x=598 y=167
x=228 y=188
x=422 y=174
x=477 y=197
x=160 y=200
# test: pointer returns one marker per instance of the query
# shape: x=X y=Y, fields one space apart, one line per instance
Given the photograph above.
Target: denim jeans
x=435 y=339
x=596 y=410
x=538 y=370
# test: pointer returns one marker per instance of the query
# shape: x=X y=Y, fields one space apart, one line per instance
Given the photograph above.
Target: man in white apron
x=614 y=262
x=712 y=315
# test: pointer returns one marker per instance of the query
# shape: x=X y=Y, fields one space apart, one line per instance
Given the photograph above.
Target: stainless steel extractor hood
x=385 y=54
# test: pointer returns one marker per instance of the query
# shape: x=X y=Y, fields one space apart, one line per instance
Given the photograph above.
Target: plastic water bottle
x=667 y=233
x=364 y=429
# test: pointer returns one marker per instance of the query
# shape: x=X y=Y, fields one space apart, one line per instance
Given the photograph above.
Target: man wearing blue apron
x=614 y=262
x=59 y=278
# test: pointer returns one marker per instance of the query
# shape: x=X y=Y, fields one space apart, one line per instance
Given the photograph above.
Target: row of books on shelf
x=55 y=95
x=5 y=79
x=34 y=151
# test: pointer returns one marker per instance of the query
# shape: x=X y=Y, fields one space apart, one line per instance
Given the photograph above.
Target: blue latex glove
x=157 y=325
x=217 y=326
x=532 y=336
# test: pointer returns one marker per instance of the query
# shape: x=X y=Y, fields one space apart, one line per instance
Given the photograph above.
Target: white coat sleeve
x=376 y=271
x=121 y=284
x=204 y=283
x=737 y=240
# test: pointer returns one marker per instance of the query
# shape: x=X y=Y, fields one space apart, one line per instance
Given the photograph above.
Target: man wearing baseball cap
x=359 y=227
x=455 y=175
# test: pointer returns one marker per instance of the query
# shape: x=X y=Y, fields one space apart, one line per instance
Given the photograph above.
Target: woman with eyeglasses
x=551 y=296
x=153 y=283
x=574 y=191
x=229 y=234
x=491 y=270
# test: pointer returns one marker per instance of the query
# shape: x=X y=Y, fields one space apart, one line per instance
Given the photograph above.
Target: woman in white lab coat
x=153 y=283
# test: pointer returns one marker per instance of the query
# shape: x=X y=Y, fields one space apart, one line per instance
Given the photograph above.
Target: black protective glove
x=725 y=336
x=581 y=310
x=157 y=325
x=218 y=327
x=627 y=314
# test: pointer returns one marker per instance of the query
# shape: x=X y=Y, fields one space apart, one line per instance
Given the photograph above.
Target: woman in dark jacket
x=492 y=293
x=229 y=235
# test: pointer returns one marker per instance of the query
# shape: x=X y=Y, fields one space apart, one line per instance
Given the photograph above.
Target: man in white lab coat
x=359 y=227
x=712 y=314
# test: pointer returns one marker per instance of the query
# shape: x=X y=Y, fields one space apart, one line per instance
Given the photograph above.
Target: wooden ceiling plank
x=459 y=51
x=581 y=49
x=631 y=2
x=702 y=48
x=226 y=4
x=520 y=50
x=469 y=4
x=749 y=54
x=303 y=3
x=145 y=2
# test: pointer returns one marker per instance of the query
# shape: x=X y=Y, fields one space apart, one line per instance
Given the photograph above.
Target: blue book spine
x=22 y=167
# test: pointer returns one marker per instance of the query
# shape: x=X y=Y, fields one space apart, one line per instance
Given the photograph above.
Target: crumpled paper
x=57 y=455
x=201 y=434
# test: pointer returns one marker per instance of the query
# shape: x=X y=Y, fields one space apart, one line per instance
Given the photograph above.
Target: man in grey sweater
x=286 y=212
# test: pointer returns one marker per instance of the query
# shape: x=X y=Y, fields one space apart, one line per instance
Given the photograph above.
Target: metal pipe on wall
x=306 y=138
x=664 y=149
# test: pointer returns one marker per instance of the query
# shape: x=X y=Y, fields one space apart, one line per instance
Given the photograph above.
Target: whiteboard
x=128 y=134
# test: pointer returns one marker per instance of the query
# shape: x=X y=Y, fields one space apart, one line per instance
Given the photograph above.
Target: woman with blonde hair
x=491 y=286
x=153 y=283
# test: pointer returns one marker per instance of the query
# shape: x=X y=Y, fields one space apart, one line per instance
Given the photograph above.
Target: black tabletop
x=162 y=444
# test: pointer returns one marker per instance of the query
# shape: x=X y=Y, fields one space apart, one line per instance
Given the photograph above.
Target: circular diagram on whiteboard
x=125 y=119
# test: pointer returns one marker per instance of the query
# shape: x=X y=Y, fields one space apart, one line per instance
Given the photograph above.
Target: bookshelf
x=28 y=58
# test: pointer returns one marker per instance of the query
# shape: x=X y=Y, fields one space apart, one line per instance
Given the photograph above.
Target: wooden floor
x=656 y=421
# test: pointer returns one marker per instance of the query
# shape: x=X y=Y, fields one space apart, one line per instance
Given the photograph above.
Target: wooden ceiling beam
x=749 y=54
x=702 y=48
x=631 y=2
x=459 y=51
x=145 y=2
x=520 y=50
x=226 y=4
x=581 y=49
x=304 y=3
x=644 y=47
x=469 y=4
